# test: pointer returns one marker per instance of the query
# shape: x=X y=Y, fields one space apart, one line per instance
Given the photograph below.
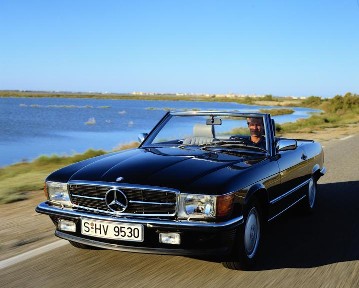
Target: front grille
x=141 y=200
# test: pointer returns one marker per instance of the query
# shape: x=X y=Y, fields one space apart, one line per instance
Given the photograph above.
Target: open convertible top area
x=200 y=183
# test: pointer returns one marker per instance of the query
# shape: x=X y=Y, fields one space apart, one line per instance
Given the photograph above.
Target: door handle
x=304 y=157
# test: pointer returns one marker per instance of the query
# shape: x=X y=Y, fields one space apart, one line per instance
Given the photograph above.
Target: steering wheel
x=238 y=138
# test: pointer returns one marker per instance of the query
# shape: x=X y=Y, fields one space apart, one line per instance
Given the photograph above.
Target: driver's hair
x=250 y=119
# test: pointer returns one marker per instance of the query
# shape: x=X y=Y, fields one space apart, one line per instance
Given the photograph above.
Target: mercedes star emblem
x=116 y=200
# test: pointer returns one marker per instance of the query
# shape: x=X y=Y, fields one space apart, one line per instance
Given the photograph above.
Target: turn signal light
x=224 y=205
x=45 y=191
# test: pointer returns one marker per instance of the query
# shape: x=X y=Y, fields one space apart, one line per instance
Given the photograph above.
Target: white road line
x=30 y=254
x=346 y=138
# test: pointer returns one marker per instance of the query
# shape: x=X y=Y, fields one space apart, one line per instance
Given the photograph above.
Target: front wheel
x=248 y=241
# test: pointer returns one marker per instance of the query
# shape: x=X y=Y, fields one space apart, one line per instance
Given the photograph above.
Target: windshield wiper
x=232 y=151
x=231 y=143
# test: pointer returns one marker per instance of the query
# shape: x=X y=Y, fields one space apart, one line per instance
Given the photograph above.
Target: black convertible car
x=200 y=183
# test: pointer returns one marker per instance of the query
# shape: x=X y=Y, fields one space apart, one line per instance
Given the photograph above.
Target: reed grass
x=277 y=112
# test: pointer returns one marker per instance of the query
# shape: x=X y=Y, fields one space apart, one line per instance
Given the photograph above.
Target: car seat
x=202 y=134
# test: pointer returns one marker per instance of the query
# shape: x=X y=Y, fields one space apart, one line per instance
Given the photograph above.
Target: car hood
x=175 y=168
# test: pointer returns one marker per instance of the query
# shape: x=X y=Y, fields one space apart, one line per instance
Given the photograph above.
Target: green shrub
x=312 y=101
x=340 y=105
x=277 y=112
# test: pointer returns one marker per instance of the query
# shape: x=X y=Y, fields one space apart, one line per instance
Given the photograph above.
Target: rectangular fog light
x=65 y=225
x=170 y=238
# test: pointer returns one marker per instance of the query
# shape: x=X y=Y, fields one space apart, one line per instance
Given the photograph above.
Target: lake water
x=31 y=127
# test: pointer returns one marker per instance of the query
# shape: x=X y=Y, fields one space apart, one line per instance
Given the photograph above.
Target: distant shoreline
x=267 y=100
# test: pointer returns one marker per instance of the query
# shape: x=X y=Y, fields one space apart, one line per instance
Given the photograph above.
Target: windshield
x=207 y=131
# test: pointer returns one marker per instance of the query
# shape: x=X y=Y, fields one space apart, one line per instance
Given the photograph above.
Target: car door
x=292 y=169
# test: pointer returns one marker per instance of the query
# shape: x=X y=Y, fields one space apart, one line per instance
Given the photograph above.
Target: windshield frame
x=147 y=143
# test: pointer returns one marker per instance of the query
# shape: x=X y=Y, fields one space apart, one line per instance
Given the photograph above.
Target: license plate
x=112 y=230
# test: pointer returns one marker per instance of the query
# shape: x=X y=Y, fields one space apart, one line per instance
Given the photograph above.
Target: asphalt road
x=320 y=250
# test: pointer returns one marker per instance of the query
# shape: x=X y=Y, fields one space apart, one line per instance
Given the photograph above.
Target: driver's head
x=256 y=127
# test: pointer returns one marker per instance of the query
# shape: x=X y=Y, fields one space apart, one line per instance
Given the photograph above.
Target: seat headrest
x=202 y=130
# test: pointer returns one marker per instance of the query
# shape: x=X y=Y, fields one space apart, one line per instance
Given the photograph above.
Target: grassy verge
x=18 y=179
x=339 y=111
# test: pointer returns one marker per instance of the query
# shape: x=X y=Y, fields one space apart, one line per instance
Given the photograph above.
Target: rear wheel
x=312 y=193
x=248 y=240
x=310 y=201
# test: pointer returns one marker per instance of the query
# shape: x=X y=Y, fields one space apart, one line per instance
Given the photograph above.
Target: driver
x=256 y=129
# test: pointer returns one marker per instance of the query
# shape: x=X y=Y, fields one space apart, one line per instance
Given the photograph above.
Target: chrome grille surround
x=142 y=200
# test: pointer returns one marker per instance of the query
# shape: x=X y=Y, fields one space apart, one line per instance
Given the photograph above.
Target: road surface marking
x=30 y=254
x=346 y=138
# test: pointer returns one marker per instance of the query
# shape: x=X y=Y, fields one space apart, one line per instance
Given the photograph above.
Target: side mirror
x=142 y=137
x=286 y=144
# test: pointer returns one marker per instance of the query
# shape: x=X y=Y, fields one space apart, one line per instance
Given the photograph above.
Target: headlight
x=197 y=206
x=58 y=193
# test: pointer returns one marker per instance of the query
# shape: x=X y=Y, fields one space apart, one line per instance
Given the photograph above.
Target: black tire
x=246 y=248
x=83 y=246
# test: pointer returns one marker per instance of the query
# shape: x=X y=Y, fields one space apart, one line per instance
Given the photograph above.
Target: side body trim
x=275 y=216
x=289 y=192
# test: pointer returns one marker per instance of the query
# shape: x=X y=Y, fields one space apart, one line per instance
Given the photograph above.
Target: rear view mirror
x=214 y=121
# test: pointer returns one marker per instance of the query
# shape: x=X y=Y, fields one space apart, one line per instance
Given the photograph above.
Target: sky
x=281 y=47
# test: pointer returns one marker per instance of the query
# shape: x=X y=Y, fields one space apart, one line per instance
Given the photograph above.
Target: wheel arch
x=259 y=193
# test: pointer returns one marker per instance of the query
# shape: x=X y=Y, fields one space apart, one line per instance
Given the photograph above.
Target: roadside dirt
x=325 y=135
x=22 y=229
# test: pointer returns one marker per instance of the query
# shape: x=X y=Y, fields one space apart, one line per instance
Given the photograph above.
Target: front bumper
x=198 y=238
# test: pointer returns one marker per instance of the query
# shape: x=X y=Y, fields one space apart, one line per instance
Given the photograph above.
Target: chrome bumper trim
x=148 y=250
x=46 y=208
